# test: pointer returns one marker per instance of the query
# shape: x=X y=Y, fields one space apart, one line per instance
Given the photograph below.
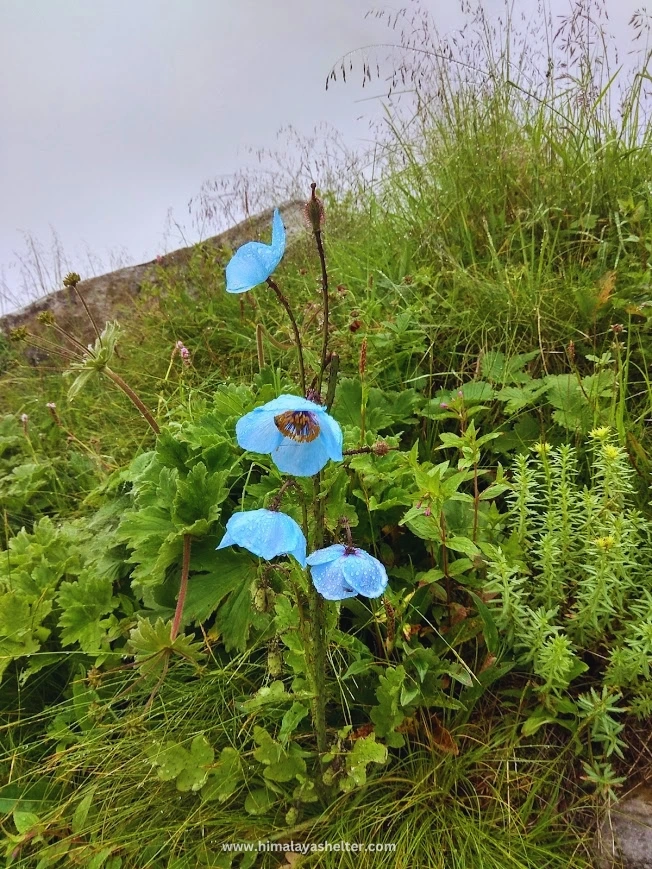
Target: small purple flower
x=339 y=572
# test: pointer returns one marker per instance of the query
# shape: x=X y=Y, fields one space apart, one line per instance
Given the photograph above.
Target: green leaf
x=259 y=801
x=100 y=858
x=490 y=631
x=25 y=821
x=19 y=627
x=388 y=714
x=150 y=643
x=464 y=545
x=295 y=714
x=198 y=497
x=83 y=603
x=236 y=617
x=365 y=751
x=223 y=781
x=194 y=774
x=81 y=812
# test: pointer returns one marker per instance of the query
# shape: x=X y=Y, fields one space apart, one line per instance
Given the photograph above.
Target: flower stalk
x=135 y=400
x=183 y=587
x=297 y=337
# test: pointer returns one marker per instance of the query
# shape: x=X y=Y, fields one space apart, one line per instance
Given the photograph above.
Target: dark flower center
x=299 y=425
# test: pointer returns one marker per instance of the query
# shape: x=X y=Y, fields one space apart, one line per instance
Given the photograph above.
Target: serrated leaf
x=198 y=498
x=83 y=603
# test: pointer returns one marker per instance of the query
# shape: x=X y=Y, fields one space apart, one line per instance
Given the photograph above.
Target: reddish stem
x=183 y=588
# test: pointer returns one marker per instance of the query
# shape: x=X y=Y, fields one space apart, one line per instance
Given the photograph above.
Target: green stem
x=315 y=637
x=324 y=286
x=332 y=380
x=183 y=588
x=131 y=395
x=295 y=329
x=88 y=313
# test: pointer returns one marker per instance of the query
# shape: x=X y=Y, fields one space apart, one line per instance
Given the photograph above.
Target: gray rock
x=624 y=838
x=107 y=294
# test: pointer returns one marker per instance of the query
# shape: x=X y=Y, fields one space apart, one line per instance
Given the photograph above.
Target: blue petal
x=291 y=402
x=331 y=435
x=257 y=432
x=266 y=533
x=302 y=459
x=329 y=581
x=364 y=573
x=249 y=266
x=330 y=553
x=227 y=540
x=254 y=262
x=278 y=237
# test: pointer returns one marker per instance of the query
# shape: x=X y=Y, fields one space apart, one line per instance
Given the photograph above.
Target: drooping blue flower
x=254 y=262
x=298 y=434
x=266 y=533
x=341 y=571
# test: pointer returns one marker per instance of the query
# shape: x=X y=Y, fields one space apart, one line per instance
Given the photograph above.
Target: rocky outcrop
x=625 y=835
x=107 y=294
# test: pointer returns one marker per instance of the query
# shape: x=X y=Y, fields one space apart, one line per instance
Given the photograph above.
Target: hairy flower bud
x=46 y=317
x=380 y=448
x=71 y=279
x=314 y=211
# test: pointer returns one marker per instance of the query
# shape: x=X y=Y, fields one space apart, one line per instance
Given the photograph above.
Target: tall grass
x=505 y=205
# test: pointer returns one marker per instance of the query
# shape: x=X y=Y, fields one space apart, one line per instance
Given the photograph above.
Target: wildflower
x=298 y=434
x=342 y=571
x=266 y=533
x=183 y=352
x=254 y=262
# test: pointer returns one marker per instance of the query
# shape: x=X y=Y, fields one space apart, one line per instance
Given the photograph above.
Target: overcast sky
x=116 y=111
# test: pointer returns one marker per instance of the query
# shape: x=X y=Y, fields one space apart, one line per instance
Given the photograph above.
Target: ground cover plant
x=350 y=541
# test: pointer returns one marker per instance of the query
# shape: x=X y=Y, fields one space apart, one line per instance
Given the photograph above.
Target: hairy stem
x=324 y=289
x=135 y=400
x=88 y=312
x=297 y=337
x=183 y=587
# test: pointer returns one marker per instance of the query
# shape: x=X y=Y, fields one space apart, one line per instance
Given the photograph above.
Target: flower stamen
x=298 y=425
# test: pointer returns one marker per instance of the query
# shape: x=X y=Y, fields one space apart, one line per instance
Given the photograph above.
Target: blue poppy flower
x=298 y=434
x=254 y=262
x=266 y=533
x=341 y=571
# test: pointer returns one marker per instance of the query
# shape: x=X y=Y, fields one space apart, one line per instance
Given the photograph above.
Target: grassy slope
x=497 y=227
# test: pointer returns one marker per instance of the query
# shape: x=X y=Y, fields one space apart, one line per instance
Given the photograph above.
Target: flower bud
x=380 y=448
x=71 y=279
x=314 y=211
